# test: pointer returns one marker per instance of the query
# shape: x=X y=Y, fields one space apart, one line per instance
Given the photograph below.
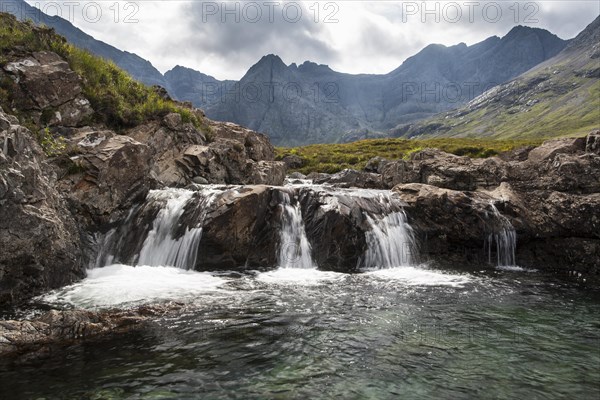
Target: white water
x=417 y=276
x=390 y=242
x=505 y=242
x=294 y=248
x=122 y=285
x=299 y=276
x=160 y=247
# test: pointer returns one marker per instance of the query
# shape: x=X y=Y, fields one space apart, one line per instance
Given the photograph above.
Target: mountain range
x=558 y=97
x=311 y=103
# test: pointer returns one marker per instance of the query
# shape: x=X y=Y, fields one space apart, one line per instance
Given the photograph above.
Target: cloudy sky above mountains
x=224 y=39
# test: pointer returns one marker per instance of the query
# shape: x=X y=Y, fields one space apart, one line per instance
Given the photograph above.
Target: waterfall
x=390 y=242
x=160 y=247
x=504 y=241
x=164 y=244
x=294 y=248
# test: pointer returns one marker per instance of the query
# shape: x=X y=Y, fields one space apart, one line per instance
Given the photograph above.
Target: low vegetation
x=331 y=158
x=119 y=101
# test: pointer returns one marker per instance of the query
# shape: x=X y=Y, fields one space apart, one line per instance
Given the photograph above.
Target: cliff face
x=41 y=244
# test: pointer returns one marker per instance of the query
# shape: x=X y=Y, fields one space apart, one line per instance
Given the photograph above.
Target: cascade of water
x=160 y=246
x=505 y=241
x=294 y=248
x=390 y=242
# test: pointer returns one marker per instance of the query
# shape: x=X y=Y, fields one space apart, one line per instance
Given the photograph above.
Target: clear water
x=401 y=333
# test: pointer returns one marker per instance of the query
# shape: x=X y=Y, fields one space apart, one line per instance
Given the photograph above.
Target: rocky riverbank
x=62 y=184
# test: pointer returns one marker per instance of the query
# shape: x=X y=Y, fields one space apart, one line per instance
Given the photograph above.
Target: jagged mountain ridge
x=558 y=97
x=311 y=103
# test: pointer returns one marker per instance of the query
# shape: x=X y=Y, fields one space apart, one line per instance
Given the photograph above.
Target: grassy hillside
x=331 y=158
x=118 y=100
x=553 y=106
x=560 y=97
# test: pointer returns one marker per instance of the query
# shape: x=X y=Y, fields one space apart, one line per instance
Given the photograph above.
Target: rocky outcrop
x=350 y=178
x=437 y=168
x=551 y=198
x=241 y=230
x=45 y=86
x=231 y=154
x=39 y=238
x=63 y=327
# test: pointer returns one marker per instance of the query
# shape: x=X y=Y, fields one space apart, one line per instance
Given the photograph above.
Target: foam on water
x=514 y=268
x=417 y=276
x=298 y=276
x=122 y=285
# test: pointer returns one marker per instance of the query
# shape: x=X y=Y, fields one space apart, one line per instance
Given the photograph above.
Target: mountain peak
x=520 y=31
x=309 y=66
x=271 y=58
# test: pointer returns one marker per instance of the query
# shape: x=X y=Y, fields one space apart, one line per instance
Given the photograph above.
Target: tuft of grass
x=332 y=158
x=52 y=146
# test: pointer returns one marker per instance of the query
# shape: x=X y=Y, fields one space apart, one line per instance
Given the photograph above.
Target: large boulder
x=46 y=87
x=350 y=178
x=437 y=168
x=256 y=145
x=267 y=173
x=41 y=244
x=112 y=176
x=225 y=153
x=241 y=230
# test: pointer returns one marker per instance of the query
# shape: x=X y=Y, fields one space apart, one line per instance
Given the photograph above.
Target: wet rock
x=241 y=231
x=65 y=327
x=39 y=238
x=199 y=180
x=296 y=175
x=316 y=175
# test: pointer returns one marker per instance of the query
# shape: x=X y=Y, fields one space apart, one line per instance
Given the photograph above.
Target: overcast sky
x=224 y=39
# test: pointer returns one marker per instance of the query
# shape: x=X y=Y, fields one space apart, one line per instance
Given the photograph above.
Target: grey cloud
x=245 y=41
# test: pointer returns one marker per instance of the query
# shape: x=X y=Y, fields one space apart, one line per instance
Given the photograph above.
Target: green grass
x=331 y=158
x=573 y=112
x=118 y=100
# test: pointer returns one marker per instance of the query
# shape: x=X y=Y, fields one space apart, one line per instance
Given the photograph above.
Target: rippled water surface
x=400 y=333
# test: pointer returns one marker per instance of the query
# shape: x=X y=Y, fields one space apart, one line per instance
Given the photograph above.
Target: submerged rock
x=64 y=327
